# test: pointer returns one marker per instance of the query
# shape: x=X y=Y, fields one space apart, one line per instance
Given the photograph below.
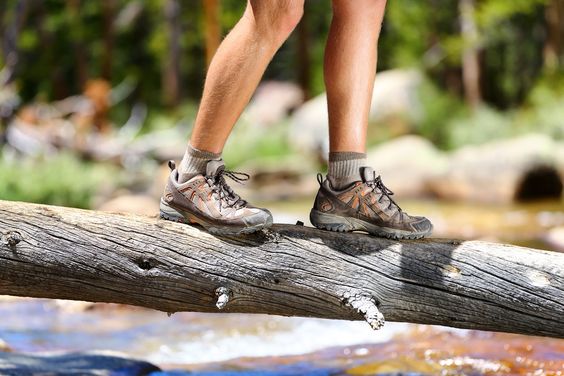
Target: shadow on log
x=54 y=252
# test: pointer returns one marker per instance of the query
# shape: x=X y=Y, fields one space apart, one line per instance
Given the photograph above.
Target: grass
x=61 y=180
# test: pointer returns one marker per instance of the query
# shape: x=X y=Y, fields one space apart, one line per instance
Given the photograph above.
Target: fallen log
x=54 y=252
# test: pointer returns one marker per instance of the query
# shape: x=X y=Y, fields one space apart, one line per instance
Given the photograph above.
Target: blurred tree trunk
x=77 y=36
x=109 y=15
x=2 y=28
x=171 y=71
x=304 y=58
x=470 y=54
x=46 y=39
x=10 y=32
x=212 y=26
x=553 y=49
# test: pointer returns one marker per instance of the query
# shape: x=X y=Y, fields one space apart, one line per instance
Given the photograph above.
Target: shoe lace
x=377 y=183
x=225 y=193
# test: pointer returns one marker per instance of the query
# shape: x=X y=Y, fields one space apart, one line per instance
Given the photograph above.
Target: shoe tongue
x=366 y=174
x=214 y=166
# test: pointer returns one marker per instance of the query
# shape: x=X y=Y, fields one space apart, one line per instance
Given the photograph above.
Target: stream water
x=236 y=344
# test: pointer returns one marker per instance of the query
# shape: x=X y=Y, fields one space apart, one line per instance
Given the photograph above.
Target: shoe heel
x=329 y=222
x=170 y=214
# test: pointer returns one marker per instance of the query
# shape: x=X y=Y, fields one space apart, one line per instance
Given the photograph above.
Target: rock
x=135 y=204
x=407 y=164
x=89 y=363
x=272 y=102
x=309 y=127
x=160 y=180
x=503 y=171
x=4 y=346
x=74 y=306
x=555 y=238
x=394 y=95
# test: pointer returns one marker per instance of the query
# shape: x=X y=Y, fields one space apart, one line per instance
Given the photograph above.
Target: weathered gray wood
x=54 y=252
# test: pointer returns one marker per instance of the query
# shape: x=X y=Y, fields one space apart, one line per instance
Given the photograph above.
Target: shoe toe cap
x=422 y=224
x=261 y=217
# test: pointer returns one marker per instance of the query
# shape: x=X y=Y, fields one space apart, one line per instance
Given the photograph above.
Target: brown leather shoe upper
x=210 y=198
x=369 y=200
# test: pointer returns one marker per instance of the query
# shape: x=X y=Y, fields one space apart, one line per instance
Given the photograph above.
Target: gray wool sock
x=344 y=168
x=194 y=163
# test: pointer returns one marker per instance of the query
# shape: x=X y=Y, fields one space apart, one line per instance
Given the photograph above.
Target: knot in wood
x=145 y=264
x=223 y=295
x=12 y=238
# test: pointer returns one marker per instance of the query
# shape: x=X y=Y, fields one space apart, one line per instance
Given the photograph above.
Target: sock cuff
x=346 y=168
x=338 y=156
x=194 y=163
x=201 y=154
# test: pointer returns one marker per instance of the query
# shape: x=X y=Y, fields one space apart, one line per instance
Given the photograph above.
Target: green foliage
x=55 y=38
x=484 y=124
x=545 y=110
x=450 y=125
x=250 y=142
x=427 y=34
x=413 y=30
x=491 y=13
x=158 y=119
x=62 y=180
x=439 y=108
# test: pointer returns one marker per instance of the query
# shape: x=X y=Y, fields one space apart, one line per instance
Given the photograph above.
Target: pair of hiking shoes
x=366 y=205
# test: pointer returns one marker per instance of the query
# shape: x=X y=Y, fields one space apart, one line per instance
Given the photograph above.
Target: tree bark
x=470 y=58
x=554 y=49
x=80 y=54
x=171 y=69
x=54 y=252
x=108 y=11
x=212 y=28
x=10 y=49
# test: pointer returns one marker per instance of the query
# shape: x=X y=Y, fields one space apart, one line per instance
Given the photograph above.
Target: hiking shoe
x=365 y=206
x=210 y=202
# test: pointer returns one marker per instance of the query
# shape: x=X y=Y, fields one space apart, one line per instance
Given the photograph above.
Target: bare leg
x=238 y=66
x=350 y=68
x=352 y=198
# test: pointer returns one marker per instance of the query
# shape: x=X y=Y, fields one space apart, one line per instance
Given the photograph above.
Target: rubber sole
x=338 y=223
x=170 y=214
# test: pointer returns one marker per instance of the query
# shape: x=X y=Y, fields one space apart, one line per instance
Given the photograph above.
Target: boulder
x=89 y=363
x=272 y=102
x=160 y=179
x=73 y=306
x=518 y=169
x=4 y=347
x=308 y=130
x=555 y=238
x=394 y=95
x=407 y=164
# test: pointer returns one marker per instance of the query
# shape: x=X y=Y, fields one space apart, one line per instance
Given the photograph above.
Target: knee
x=288 y=17
x=359 y=8
x=276 y=19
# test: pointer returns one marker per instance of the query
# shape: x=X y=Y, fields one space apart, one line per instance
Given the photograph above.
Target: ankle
x=194 y=163
x=344 y=168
